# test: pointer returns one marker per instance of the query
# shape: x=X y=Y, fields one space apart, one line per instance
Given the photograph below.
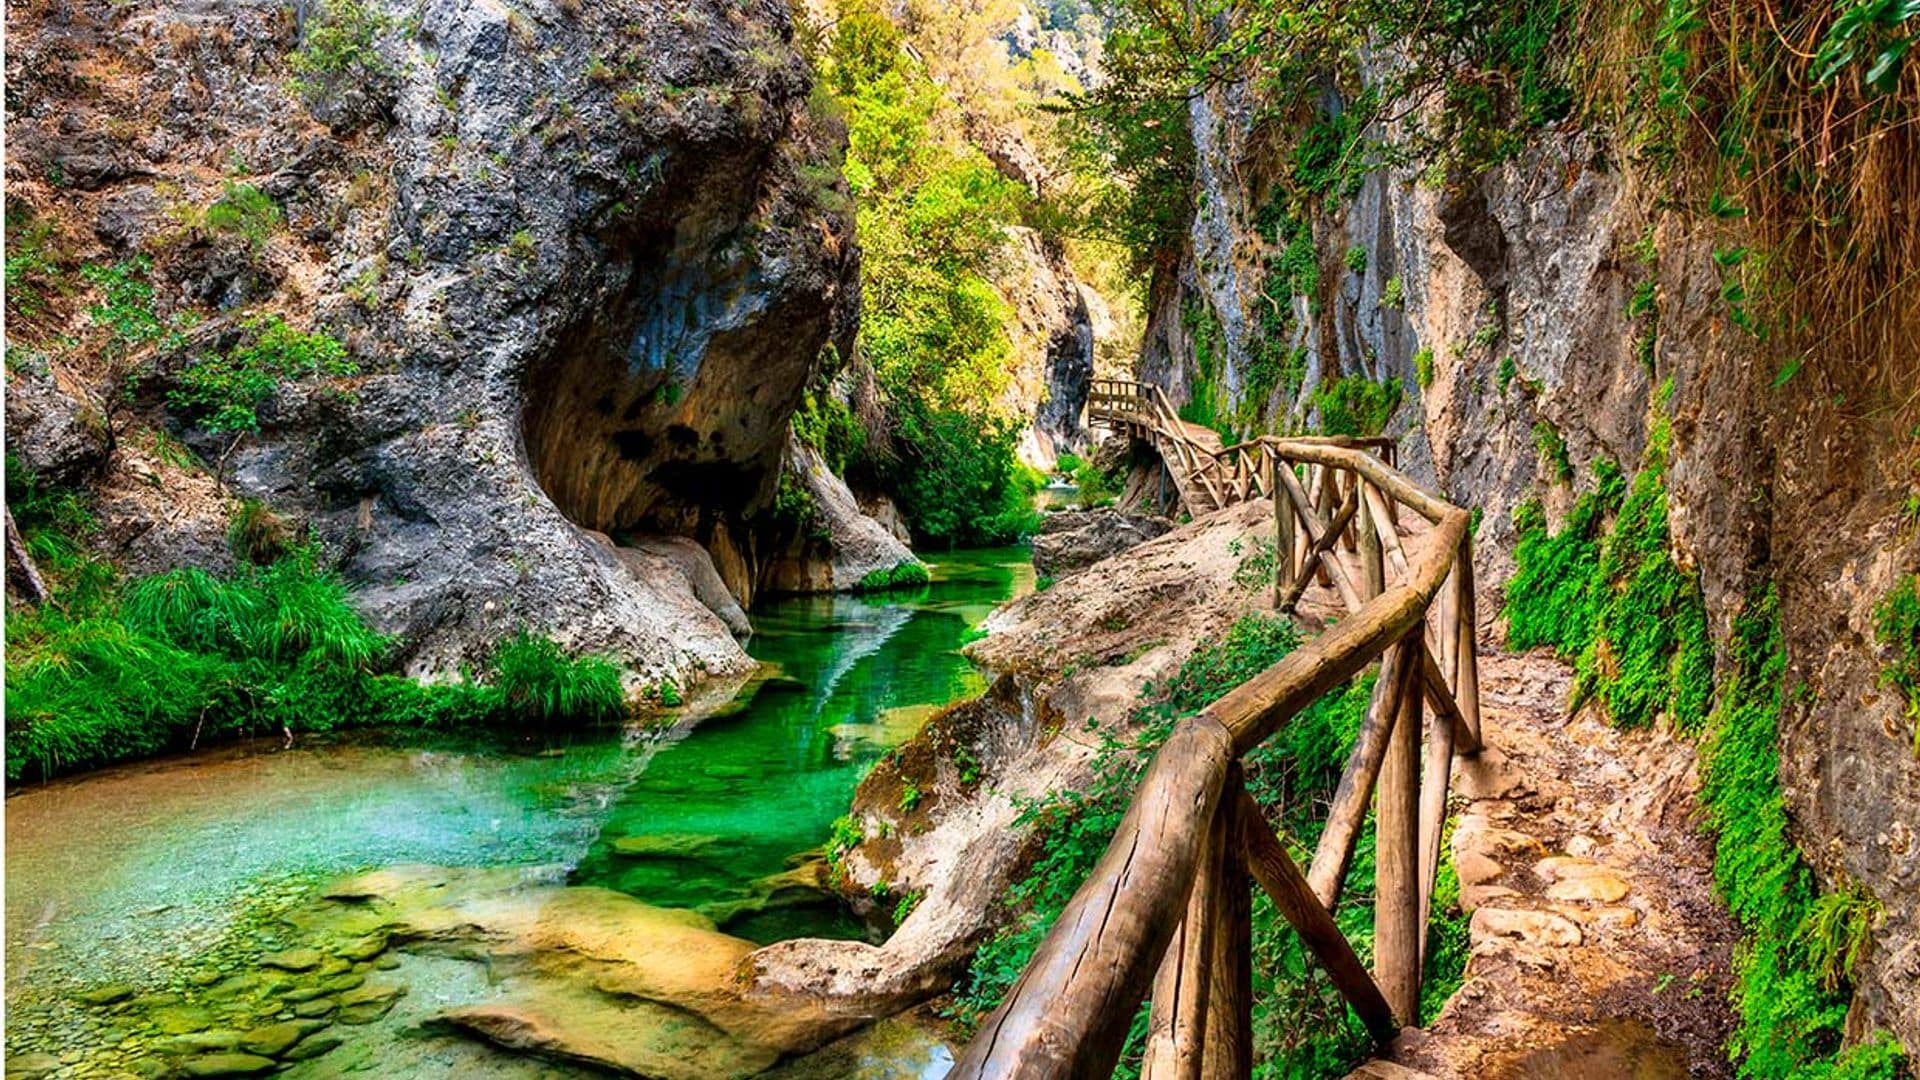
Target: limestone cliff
x=1505 y=308
x=583 y=259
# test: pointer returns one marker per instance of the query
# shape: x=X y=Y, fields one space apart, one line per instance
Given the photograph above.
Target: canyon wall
x=1504 y=306
x=583 y=260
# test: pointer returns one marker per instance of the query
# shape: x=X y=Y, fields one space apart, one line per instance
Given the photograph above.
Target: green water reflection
x=733 y=800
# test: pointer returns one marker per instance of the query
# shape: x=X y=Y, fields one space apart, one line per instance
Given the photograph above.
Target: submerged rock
x=582 y=974
x=294 y=959
x=231 y=1064
x=274 y=1039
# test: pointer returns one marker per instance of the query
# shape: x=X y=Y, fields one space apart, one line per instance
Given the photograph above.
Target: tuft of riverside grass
x=911 y=573
x=539 y=682
x=113 y=670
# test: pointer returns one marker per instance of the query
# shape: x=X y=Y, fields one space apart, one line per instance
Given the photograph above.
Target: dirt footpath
x=1599 y=949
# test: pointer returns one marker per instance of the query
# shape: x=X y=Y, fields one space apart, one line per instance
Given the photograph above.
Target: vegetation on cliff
x=932 y=215
x=1610 y=597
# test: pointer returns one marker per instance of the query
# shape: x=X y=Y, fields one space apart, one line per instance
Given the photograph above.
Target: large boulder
x=1074 y=539
x=55 y=434
x=839 y=545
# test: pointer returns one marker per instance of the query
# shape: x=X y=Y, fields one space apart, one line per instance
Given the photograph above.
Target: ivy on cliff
x=1611 y=598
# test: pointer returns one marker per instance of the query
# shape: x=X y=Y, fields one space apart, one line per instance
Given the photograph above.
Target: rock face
x=1053 y=348
x=1074 y=539
x=584 y=257
x=839 y=544
x=1516 y=287
x=56 y=435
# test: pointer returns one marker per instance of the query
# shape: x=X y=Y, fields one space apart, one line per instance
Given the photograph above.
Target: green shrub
x=825 y=423
x=1896 y=626
x=1547 y=440
x=1393 y=295
x=909 y=574
x=337 y=48
x=125 y=309
x=223 y=393
x=538 y=682
x=245 y=211
x=32 y=263
x=1423 y=367
x=959 y=482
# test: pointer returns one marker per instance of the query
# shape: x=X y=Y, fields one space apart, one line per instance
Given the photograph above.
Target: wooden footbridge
x=1166 y=912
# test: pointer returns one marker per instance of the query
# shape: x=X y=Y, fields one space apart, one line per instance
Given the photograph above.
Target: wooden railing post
x=1398 y=678
x=1373 y=570
x=1466 y=688
x=1396 y=911
x=1283 y=553
x=1293 y=897
x=1177 y=1020
x=1229 y=1045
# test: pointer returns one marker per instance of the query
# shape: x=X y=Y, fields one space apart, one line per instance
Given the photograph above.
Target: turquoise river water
x=167 y=876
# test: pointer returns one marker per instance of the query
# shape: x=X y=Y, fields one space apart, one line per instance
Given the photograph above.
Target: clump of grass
x=256 y=534
x=910 y=573
x=537 y=681
x=245 y=211
x=116 y=669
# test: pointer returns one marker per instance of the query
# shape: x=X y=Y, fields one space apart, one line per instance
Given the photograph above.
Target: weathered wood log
x=1283 y=554
x=1252 y=710
x=1294 y=898
x=1435 y=775
x=1388 y=536
x=20 y=565
x=1229 y=1044
x=1467 y=683
x=1373 y=569
x=1396 y=867
x=1391 y=482
x=1069 y=1012
x=1182 y=990
x=1321 y=537
x=1348 y=810
x=1441 y=701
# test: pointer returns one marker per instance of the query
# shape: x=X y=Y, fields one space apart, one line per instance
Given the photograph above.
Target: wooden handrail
x=1166 y=905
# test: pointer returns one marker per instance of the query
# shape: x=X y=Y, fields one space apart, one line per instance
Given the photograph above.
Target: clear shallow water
x=158 y=873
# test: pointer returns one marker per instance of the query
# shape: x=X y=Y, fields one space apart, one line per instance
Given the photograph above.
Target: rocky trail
x=1598 y=949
